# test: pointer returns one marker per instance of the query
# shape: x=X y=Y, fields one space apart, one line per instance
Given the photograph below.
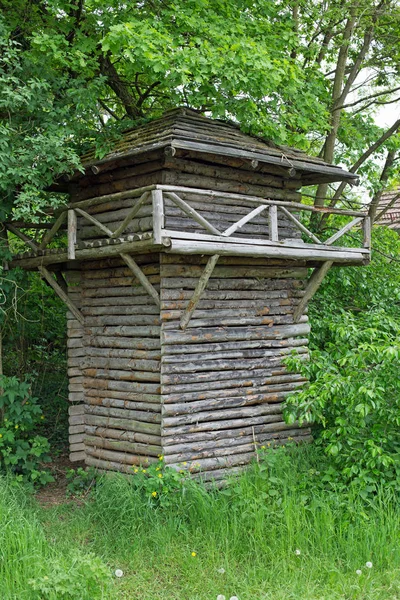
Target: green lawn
x=244 y=538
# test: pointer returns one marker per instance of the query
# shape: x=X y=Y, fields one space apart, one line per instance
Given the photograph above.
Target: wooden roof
x=186 y=129
x=390 y=200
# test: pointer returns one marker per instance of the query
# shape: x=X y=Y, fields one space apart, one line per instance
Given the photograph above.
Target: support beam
x=273 y=223
x=313 y=284
x=200 y=287
x=72 y=228
x=158 y=215
x=61 y=294
x=137 y=271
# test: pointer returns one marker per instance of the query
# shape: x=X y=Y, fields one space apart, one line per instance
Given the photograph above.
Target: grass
x=250 y=530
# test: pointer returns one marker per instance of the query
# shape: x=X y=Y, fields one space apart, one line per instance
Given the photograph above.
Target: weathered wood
x=119 y=457
x=28 y=241
x=158 y=215
x=60 y=292
x=367 y=233
x=201 y=285
x=136 y=270
x=98 y=226
x=185 y=246
x=72 y=232
x=191 y=212
x=300 y=225
x=273 y=223
x=343 y=230
x=239 y=224
x=122 y=445
x=48 y=235
x=312 y=286
x=134 y=211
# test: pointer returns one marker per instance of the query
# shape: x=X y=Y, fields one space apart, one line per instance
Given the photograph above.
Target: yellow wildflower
x=262 y=447
x=154 y=494
x=42 y=417
x=143 y=470
x=158 y=468
x=160 y=475
x=194 y=554
x=16 y=427
x=184 y=464
x=135 y=470
x=160 y=457
x=1 y=435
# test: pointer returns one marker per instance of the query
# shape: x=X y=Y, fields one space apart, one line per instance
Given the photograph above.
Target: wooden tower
x=186 y=278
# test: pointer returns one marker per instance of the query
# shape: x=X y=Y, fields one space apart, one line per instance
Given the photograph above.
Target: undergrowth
x=279 y=531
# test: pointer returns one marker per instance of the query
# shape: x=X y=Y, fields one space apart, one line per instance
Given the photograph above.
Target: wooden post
x=48 y=236
x=367 y=232
x=313 y=284
x=158 y=215
x=72 y=227
x=273 y=223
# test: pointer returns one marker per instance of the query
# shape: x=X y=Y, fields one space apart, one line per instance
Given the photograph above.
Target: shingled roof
x=185 y=129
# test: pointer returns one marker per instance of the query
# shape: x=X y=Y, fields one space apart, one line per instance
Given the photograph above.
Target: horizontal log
x=125 y=364
x=132 y=354
x=224 y=424
x=191 y=363
x=233 y=271
x=120 y=434
x=228 y=388
x=275 y=395
x=208 y=416
x=126 y=331
x=120 y=457
x=120 y=375
x=238 y=285
x=209 y=335
x=153 y=437
x=259 y=430
x=116 y=320
x=233 y=321
x=139 y=343
x=123 y=386
x=124 y=395
x=122 y=445
x=126 y=404
x=187 y=246
x=77 y=456
x=276 y=430
x=178 y=360
x=149 y=419
x=107 y=465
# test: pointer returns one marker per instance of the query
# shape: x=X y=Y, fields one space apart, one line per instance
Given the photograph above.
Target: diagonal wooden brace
x=313 y=284
x=200 y=287
x=137 y=271
x=61 y=294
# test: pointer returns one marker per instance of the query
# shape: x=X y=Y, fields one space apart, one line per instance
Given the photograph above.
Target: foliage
x=76 y=73
x=22 y=450
x=354 y=392
x=81 y=481
x=86 y=577
x=158 y=483
x=33 y=565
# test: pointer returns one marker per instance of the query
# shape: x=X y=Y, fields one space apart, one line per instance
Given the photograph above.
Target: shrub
x=22 y=450
x=354 y=398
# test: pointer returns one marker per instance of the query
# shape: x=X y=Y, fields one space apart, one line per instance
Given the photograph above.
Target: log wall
x=223 y=380
x=122 y=365
x=75 y=356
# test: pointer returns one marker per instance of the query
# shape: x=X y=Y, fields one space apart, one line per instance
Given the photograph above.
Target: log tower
x=186 y=276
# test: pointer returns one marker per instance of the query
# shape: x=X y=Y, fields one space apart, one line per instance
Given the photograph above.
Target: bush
x=354 y=393
x=22 y=450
